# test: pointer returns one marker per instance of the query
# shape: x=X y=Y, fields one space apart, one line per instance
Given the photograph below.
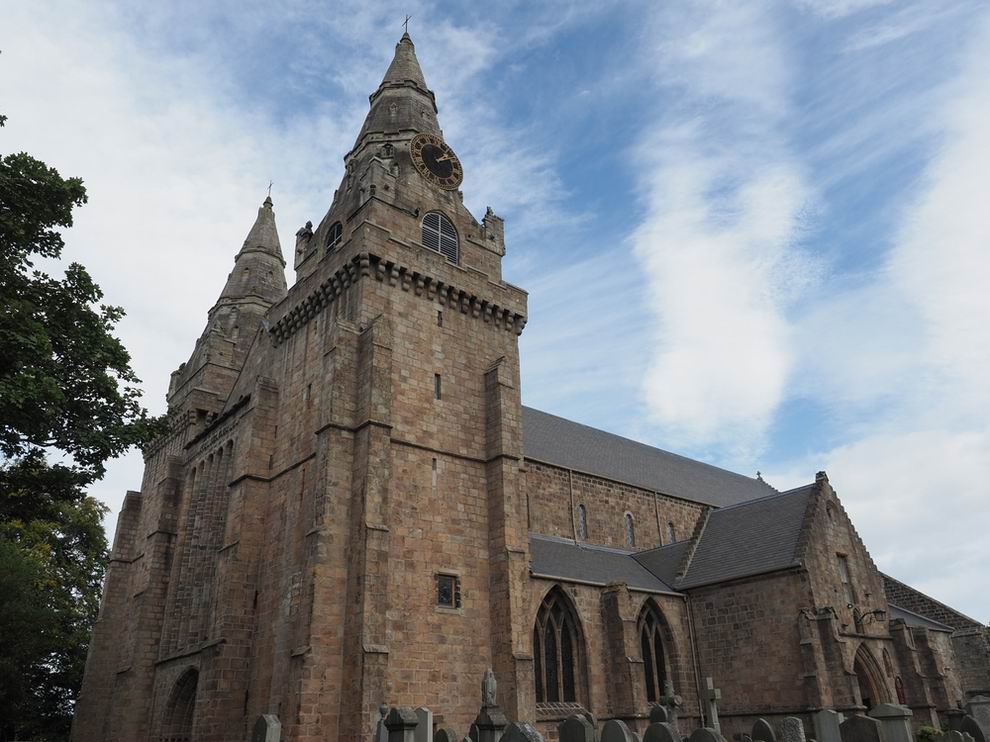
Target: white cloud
x=832 y=9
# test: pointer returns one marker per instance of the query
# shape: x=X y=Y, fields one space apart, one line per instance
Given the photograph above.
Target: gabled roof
x=564 y=559
x=554 y=440
x=742 y=540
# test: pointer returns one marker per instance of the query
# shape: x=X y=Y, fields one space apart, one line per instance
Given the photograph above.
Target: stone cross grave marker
x=860 y=729
x=827 y=724
x=791 y=730
x=521 y=731
x=424 y=725
x=671 y=702
x=763 y=732
x=659 y=731
x=895 y=722
x=576 y=728
x=615 y=730
x=267 y=728
x=401 y=724
x=712 y=696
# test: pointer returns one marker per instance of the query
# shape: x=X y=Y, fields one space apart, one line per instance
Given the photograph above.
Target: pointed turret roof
x=402 y=102
x=259 y=268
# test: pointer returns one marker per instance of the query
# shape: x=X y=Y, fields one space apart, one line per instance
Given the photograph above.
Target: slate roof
x=565 y=559
x=916 y=619
x=555 y=440
x=742 y=540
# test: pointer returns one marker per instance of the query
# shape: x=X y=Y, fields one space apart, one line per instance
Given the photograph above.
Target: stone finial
x=489 y=688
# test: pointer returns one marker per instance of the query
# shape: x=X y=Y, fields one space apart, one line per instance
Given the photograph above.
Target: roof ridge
x=771 y=496
x=647 y=445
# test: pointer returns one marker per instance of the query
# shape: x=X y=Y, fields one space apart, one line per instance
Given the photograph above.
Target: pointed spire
x=259 y=268
x=402 y=102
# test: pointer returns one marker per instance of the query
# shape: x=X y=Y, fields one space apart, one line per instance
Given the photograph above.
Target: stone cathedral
x=353 y=508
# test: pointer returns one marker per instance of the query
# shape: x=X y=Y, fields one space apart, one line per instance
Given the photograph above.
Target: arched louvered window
x=556 y=650
x=439 y=234
x=582 y=524
x=654 y=657
x=335 y=235
x=630 y=531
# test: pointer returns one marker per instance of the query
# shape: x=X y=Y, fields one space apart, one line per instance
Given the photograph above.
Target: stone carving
x=488 y=689
x=827 y=724
x=763 y=732
x=267 y=729
x=860 y=729
x=576 y=728
x=615 y=730
x=660 y=731
x=521 y=731
x=712 y=696
x=672 y=702
x=791 y=730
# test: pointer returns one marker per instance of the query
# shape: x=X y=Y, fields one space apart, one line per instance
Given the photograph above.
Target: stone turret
x=258 y=276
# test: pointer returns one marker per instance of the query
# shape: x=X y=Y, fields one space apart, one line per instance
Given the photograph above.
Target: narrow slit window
x=630 y=531
x=582 y=525
x=437 y=382
x=439 y=319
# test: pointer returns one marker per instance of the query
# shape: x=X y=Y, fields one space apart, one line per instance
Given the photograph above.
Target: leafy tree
x=67 y=393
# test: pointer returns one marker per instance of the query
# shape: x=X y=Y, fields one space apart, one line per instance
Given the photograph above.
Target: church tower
x=336 y=519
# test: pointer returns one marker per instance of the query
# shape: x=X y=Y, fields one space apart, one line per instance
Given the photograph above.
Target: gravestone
x=444 y=735
x=827 y=724
x=791 y=730
x=267 y=729
x=895 y=722
x=521 y=731
x=615 y=730
x=979 y=708
x=659 y=715
x=489 y=724
x=705 y=735
x=860 y=729
x=712 y=696
x=473 y=733
x=576 y=728
x=401 y=724
x=745 y=738
x=963 y=722
x=424 y=725
x=660 y=731
x=763 y=732
x=672 y=702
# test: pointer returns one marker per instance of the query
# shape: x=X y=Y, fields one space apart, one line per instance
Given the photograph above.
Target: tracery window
x=630 y=531
x=654 y=657
x=335 y=235
x=439 y=234
x=582 y=524
x=556 y=650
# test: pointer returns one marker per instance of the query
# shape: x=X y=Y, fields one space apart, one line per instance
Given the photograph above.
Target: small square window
x=448 y=591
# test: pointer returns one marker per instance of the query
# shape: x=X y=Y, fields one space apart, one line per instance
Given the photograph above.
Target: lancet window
x=556 y=650
x=654 y=657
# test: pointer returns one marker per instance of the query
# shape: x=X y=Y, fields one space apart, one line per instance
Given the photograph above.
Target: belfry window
x=654 y=658
x=439 y=234
x=335 y=235
x=556 y=650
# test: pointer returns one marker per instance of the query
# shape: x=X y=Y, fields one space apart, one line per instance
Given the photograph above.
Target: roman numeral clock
x=436 y=161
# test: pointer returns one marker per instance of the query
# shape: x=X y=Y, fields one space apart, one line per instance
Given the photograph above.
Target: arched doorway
x=872 y=688
x=178 y=723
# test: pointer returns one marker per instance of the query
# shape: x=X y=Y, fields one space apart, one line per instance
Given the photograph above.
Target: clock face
x=436 y=161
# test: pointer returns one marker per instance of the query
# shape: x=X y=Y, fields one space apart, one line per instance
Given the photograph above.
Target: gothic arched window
x=556 y=650
x=671 y=532
x=335 y=235
x=654 y=657
x=439 y=234
x=630 y=531
x=582 y=524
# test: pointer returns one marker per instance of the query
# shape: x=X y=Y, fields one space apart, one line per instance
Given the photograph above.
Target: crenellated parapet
x=430 y=288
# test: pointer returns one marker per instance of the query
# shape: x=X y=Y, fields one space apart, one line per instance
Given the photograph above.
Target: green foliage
x=927 y=734
x=66 y=387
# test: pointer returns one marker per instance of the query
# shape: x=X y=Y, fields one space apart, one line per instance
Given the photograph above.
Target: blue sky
x=755 y=233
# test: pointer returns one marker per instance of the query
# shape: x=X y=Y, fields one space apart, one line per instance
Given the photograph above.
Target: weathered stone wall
x=907 y=597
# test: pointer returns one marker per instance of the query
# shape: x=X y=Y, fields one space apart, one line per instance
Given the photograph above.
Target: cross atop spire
x=405 y=25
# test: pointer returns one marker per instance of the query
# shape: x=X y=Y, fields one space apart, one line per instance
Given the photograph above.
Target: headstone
x=895 y=722
x=763 y=732
x=705 y=735
x=659 y=731
x=712 y=696
x=401 y=724
x=745 y=738
x=576 y=728
x=615 y=730
x=659 y=715
x=979 y=708
x=791 y=730
x=444 y=735
x=827 y=724
x=672 y=703
x=267 y=729
x=424 y=725
x=473 y=734
x=521 y=731
x=860 y=729
x=965 y=723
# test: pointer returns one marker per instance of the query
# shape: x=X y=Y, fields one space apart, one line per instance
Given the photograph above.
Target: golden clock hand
x=444 y=158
